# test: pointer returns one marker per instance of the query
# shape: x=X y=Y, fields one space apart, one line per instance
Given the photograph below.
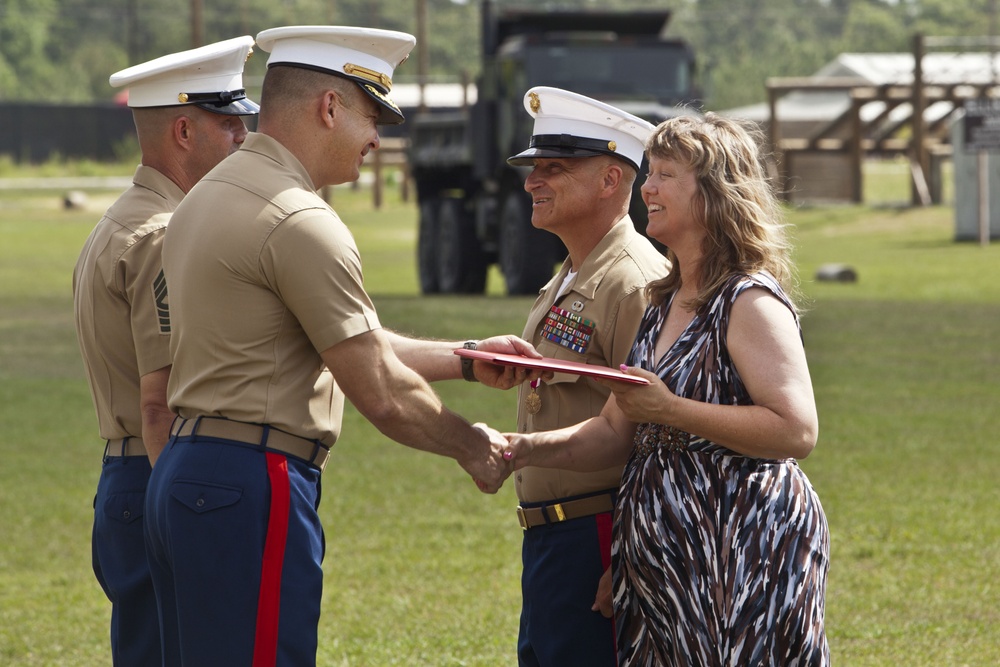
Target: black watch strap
x=467 y=362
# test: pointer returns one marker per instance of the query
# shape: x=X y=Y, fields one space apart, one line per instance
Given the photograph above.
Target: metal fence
x=32 y=133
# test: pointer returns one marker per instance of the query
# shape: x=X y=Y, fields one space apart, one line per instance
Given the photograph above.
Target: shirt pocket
x=556 y=351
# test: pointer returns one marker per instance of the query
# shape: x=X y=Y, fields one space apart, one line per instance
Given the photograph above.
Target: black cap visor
x=563 y=146
x=389 y=113
x=226 y=102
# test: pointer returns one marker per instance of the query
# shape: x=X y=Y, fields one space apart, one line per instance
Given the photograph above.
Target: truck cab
x=473 y=208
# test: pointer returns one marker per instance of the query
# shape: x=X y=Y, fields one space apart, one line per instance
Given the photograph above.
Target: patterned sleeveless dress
x=719 y=559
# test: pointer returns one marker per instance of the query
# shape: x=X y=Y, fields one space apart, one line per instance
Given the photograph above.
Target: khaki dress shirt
x=263 y=276
x=607 y=296
x=120 y=300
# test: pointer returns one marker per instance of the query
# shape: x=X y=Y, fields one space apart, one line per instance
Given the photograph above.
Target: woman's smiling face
x=670 y=193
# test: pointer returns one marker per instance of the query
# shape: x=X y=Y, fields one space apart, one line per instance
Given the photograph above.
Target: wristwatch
x=467 y=362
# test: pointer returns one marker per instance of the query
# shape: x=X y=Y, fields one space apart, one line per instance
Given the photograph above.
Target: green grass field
x=423 y=570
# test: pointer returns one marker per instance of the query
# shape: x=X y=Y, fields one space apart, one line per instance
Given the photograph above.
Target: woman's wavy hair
x=739 y=209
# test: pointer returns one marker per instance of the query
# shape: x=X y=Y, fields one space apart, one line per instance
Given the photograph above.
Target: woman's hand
x=518 y=451
x=641 y=403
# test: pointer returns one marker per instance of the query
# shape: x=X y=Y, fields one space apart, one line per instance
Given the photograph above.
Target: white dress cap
x=367 y=56
x=571 y=125
x=210 y=77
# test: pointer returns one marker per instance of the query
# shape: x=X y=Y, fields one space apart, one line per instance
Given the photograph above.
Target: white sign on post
x=981 y=129
x=982 y=124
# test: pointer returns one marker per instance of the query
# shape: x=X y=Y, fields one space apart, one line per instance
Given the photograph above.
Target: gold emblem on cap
x=386 y=100
x=182 y=98
x=534 y=102
x=612 y=146
x=370 y=74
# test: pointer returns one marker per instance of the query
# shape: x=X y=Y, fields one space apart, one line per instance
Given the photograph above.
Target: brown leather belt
x=529 y=517
x=310 y=451
x=125 y=447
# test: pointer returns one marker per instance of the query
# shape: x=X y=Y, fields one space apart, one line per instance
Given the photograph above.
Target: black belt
x=310 y=451
x=529 y=517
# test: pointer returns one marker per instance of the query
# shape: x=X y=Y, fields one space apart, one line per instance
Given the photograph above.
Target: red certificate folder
x=554 y=365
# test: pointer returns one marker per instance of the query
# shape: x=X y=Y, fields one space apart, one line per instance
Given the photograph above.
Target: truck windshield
x=612 y=71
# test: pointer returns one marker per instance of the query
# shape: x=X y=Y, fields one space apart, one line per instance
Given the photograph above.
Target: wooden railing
x=392 y=153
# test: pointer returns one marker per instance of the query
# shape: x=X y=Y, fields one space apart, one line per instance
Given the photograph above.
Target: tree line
x=62 y=51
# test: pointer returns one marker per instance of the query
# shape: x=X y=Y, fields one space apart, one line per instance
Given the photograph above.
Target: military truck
x=474 y=211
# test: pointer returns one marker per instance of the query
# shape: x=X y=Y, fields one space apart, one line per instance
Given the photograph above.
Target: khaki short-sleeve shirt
x=263 y=276
x=596 y=319
x=120 y=300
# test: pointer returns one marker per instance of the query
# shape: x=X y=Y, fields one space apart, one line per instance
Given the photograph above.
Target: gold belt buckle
x=520 y=518
x=559 y=511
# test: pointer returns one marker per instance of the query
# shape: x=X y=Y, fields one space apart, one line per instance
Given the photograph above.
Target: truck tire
x=427 y=245
x=527 y=255
x=461 y=264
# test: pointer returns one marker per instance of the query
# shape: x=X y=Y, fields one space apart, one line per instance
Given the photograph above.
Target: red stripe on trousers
x=604 y=537
x=265 y=650
x=604 y=523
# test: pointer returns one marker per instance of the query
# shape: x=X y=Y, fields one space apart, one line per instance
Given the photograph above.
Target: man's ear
x=613 y=176
x=183 y=130
x=330 y=104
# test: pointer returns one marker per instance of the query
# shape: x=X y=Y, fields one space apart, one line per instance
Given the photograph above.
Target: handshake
x=501 y=458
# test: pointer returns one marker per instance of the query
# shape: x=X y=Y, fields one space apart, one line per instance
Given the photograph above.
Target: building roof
x=897 y=68
x=877 y=69
x=407 y=95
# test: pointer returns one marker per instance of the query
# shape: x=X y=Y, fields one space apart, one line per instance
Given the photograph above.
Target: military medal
x=568 y=329
x=533 y=402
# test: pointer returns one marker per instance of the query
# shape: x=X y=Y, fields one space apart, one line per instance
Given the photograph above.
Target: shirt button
x=200 y=502
x=126 y=514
